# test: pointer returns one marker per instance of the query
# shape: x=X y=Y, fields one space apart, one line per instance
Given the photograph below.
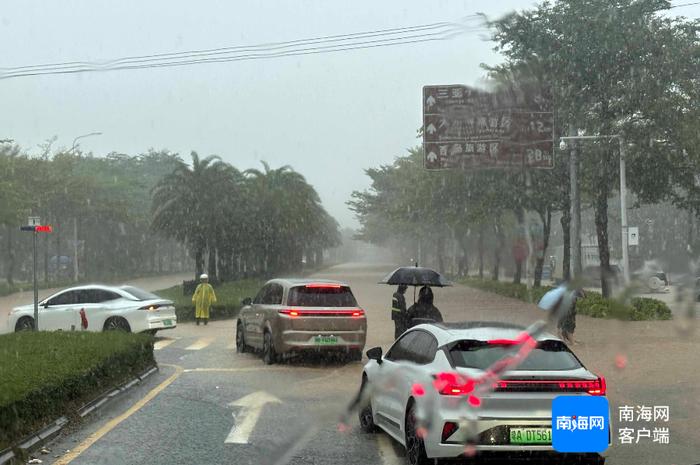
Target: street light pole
x=75 y=219
x=575 y=199
x=82 y=137
x=623 y=212
x=623 y=196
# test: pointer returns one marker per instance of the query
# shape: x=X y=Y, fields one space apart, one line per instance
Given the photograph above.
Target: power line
x=324 y=44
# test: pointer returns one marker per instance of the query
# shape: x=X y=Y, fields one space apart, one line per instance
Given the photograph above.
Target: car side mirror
x=247 y=301
x=45 y=304
x=375 y=353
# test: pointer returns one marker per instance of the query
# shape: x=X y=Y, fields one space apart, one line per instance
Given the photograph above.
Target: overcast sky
x=329 y=116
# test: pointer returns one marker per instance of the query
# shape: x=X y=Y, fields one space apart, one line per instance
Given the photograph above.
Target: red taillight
x=452 y=384
x=595 y=387
x=355 y=313
x=151 y=307
x=448 y=429
x=323 y=286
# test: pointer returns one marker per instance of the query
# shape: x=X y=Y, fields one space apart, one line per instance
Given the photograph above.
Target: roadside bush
x=228 y=296
x=593 y=304
x=645 y=308
x=45 y=375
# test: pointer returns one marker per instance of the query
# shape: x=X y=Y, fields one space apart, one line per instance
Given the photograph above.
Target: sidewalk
x=150 y=283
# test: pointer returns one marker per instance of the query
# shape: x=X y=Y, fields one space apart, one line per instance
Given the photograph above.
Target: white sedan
x=97 y=308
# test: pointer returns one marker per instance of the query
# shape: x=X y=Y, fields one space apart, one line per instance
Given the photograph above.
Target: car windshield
x=319 y=296
x=139 y=294
x=549 y=355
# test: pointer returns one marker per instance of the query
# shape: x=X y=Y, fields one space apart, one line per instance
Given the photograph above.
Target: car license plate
x=531 y=435
x=167 y=322
x=325 y=340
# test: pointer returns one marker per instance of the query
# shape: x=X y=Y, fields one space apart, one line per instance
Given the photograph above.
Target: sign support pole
x=36 y=289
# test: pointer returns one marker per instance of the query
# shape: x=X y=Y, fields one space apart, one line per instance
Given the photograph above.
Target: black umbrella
x=415 y=276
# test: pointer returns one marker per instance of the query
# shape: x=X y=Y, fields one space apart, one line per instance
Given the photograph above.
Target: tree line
x=619 y=67
x=154 y=213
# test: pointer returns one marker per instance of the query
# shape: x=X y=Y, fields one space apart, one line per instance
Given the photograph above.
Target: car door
x=253 y=319
x=417 y=352
x=59 y=312
x=389 y=382
x=271 y=305
x=96 y=305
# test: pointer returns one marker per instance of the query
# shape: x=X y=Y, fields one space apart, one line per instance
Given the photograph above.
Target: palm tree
x=185 y=206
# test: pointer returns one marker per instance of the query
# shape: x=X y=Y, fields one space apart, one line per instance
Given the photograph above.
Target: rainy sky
x=329 y=116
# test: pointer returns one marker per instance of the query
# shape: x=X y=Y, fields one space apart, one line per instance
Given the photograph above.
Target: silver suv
x=302 y=315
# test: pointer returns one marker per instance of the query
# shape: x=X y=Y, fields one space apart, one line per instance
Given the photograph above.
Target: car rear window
x=319 y=296
x=140 y=294
x=549 y=355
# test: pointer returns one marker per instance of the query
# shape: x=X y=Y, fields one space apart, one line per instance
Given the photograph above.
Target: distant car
x=514 y=416
x=302 y=315
x=103 y=308
x=653 y=280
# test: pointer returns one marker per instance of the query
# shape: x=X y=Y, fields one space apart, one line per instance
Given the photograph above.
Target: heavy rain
x=315 y=233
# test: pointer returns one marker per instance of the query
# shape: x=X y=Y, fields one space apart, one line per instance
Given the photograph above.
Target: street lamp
x=623 y=194
x=82 y=137
x=75 y=219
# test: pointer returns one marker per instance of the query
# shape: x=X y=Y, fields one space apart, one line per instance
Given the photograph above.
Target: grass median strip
x=593 y=304
x=228 y=299
x=45 y=375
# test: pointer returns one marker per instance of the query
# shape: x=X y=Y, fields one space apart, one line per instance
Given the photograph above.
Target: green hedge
x=44 y=375
x=228 y=295
x=593 y=304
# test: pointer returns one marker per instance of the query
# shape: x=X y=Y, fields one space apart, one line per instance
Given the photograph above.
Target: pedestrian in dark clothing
x=398 y=311
x=567 y=317
x=424 y=308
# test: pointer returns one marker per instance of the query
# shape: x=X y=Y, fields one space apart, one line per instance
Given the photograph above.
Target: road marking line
x=386 y=450
x=201 y=343
x=251 y=408
x=231 y=370
x=163 y=343
x=110 y=425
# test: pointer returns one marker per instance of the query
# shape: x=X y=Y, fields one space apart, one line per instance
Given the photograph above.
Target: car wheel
x=415 y=448
x=240 y=339
x=365 y=415
x=269 y=355
x=26 y=323
x=117 y=324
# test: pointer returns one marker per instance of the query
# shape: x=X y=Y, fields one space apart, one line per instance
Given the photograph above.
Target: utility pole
x=36 y=287
x=75 y=249
x=623 y=212
x=575 y=198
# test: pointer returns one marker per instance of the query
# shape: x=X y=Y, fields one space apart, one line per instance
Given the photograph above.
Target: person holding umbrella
x=398 y=311
x=424 y=308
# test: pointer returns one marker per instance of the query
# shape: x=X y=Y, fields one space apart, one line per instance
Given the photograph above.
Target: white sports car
x=97 y=308
x=433 y=392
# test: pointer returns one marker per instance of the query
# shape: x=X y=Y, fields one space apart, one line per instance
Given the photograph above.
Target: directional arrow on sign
x=432 y=157
x=431 y=128
x=244 y=422
x=430 y=101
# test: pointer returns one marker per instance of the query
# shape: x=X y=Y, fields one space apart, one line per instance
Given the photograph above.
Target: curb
x=38 y=438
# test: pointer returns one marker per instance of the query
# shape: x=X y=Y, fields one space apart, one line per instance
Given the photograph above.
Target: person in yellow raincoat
x=202 y=299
